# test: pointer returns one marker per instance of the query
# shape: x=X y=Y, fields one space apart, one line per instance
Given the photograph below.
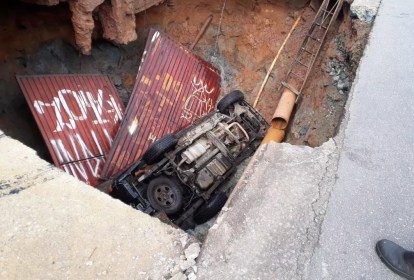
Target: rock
x=184 y=240
x=303 y=130
x=175 y=270
x=192 y=276
x=343 y=75
x=365 y=10
x=343 y=85
x=192 y=251
x=184 y=265
x=179 y=276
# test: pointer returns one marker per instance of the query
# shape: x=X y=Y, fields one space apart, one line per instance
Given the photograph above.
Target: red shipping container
x=78 y=116
x=173 y=88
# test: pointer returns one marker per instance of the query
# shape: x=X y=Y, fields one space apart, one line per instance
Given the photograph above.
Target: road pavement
x=300 y=213
x=55 y=227
x=373 y=196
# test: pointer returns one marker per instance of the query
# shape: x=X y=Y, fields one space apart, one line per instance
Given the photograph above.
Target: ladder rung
x=315 y=39
x=296 y=75
x=301 y=63
x=307 y=51
x=327 y=12
x=321 y=26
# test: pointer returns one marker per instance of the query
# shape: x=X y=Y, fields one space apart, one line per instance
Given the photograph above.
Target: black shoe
x=396 y=258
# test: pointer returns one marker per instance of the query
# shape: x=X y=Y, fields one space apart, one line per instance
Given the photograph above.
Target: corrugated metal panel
x=78 y=116
x=173 y=88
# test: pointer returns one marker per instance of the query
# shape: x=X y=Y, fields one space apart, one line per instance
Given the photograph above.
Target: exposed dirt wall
x=116 y=18
x=40 y=40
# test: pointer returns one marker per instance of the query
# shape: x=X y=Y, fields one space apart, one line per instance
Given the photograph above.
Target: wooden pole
x=274 y=60
x=202 y=30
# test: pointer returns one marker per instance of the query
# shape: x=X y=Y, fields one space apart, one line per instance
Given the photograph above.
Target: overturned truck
x=182 y=174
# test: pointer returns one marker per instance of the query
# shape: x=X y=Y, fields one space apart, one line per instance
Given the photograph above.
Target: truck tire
x=210 y=209
x=228 y=100
x=165 y=194
x=157 y=150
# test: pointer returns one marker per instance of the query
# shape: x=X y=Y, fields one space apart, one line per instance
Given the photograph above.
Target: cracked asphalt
x=302 y=213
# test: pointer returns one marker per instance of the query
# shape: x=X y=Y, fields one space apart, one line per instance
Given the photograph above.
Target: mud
x=241 y=41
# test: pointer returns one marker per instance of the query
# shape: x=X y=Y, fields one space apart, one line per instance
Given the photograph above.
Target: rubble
x=192 y=251
x=365 y=10
x=184 y=240
x=187 y=264
x=192 y=276
x=179 y=276
x=339 y=74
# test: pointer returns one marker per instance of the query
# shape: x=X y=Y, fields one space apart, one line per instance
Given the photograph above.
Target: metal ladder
x=306 y=56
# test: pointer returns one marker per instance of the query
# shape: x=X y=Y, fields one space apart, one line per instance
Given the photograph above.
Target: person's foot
x=396 y=258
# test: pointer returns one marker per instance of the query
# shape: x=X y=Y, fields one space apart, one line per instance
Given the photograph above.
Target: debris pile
x=365 y=10
x=339 y=74
x=186 y=268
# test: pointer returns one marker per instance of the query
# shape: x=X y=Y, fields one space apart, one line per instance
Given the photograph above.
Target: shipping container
x=78 y=116
x=173 y=88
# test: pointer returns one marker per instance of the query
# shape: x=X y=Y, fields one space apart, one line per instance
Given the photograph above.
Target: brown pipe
x=274 y=134
x=281 y=117
x=284 y=109
x=203 y=29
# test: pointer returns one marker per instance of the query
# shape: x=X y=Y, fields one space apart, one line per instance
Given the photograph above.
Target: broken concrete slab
x=271 y=223
x=56 y=227
x=365 y=10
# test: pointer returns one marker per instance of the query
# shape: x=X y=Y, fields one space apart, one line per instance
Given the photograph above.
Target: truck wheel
x=210 y=209
x=165 y=195
x=228 y=100
x=156 y=151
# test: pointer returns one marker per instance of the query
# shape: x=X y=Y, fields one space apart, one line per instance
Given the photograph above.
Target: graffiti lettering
x=199 y=102
x=152 y=137
x=88 y=106
x=76 y=112
x=77 y=151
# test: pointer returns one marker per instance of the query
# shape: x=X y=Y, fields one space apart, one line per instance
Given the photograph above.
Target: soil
x=40 y=41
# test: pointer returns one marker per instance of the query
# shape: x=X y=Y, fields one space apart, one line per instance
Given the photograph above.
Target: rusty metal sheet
x=78 y=116
x=173 y=88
